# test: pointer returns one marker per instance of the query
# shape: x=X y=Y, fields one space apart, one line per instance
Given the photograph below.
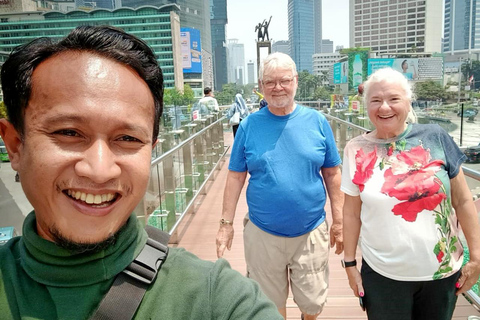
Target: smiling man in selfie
x=83 y=118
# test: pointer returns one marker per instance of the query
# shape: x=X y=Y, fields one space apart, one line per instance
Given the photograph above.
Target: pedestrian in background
x=209 y=100
x=237 y=112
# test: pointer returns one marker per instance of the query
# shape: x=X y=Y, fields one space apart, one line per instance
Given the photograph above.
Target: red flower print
x=440 y=256
x=390 y=150
x=410 y=209
x=365 y=165
x=413 y=180
x=415 y=159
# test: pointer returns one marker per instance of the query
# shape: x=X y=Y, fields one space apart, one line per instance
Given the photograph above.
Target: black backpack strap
x=128 y=289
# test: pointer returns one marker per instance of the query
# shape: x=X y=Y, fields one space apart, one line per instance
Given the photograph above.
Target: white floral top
x=409 y=228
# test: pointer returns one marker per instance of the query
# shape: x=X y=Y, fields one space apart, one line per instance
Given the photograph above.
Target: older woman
x=405 y=194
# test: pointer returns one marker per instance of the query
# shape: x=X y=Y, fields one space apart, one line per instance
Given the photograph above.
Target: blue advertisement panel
x=191 y=50
x=340 y=71
x=409 y=67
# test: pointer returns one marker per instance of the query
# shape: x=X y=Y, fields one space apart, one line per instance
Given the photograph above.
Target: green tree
x=346 y=51
x=227 y=95
x=429 y=90
x=188 y=96
x=3 y=110
x=307 y=84
x=321 y=93
x=174 y=97
x=470 y=68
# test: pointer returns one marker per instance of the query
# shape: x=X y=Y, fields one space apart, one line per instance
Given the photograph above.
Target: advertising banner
x=340 y=71
x=357 y=68
x=409 y=67
x=191 y=50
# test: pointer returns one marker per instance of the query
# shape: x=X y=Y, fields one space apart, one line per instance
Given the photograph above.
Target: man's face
x=279 y=97
x=84 y=161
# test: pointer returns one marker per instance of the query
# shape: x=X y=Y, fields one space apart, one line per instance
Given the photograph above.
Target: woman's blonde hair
x=390 y=75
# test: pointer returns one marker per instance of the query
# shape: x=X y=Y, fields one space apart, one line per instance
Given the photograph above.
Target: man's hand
x=224 y=239
x=469 y=276
x=336 y=237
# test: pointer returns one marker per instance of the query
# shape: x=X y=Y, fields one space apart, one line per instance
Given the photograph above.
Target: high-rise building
x=98 y=4
x=7 y=6
x=323 y=61
x=327 y=46
x=193 y=14
x=218 y=21
x=304 y=31
x=161 y=32
x=236 y=62
x=403 y=26
x=251 y=71
x=281 y=46
x=462 y=26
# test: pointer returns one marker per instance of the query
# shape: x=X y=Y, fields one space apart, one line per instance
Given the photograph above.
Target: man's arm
x=333 y=178
x=233 y=188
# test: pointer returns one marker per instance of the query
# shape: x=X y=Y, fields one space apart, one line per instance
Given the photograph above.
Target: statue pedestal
x=263 y=44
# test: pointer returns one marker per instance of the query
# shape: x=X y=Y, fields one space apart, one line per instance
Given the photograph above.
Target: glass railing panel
x=187 y=160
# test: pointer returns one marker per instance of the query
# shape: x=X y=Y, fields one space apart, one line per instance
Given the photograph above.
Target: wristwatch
x=347 y=264
x=223 y=222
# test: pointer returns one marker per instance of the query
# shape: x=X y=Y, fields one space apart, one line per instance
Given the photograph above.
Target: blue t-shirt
x=284 y=155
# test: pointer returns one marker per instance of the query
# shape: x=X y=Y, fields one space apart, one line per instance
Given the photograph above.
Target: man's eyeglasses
x=270 y=84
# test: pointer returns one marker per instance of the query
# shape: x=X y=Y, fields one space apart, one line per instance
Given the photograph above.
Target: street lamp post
x=459 y=81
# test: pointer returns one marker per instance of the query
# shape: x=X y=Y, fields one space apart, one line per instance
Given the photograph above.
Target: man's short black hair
x=207 y=90
x=105 y=41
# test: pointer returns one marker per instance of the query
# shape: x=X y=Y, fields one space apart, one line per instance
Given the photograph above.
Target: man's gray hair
x=390 y=75
x=274 y=61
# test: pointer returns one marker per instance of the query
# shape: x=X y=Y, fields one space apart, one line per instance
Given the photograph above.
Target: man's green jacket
x=39 y=280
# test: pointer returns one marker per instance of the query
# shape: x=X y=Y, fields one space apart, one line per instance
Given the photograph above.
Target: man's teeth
x=91 y=198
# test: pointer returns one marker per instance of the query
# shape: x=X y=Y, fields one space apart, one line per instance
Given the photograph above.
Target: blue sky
x=243 y=15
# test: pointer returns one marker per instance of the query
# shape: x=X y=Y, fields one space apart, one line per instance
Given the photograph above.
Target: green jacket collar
x=47 y=263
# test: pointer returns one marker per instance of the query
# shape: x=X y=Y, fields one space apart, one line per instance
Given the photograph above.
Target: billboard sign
x=408 y=67
x=340 y=71
x=357 y=68
x=191 y=50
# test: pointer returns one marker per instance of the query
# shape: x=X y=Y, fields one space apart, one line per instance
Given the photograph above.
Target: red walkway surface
x=197 y=234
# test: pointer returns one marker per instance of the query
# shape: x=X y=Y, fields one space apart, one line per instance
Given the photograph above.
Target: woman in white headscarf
x=239 y=107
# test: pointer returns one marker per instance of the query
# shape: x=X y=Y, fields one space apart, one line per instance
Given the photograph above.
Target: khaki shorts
x=275 y=262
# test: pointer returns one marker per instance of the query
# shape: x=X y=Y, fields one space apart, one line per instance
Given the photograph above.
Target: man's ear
x=13 y=142
x=154 y=144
